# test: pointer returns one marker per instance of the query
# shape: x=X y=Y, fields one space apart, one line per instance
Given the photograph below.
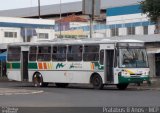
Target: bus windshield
x=133 y=58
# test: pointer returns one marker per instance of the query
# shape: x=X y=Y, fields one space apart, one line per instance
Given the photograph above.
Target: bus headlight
x=125 y=73
x=145 y=73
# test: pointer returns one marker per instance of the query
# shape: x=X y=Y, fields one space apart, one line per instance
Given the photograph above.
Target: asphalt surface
x=78 y=96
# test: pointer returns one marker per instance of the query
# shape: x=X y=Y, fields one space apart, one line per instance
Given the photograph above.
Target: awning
x=3 y=56
x=153 y=50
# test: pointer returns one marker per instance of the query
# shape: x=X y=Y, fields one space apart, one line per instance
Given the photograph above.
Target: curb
x=157 y=89
x=145 y=88
x=4 y=80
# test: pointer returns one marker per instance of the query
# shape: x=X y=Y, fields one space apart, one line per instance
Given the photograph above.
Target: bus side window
x=91 y=53
x=102 y=57
x=44 y=53
x=14 y=53
x=33 y=53
x=59 y=53
x=74 y=53
x=54 y=53
x=116 y=57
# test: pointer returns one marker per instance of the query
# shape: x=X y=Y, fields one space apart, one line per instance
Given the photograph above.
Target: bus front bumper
x=127 y=80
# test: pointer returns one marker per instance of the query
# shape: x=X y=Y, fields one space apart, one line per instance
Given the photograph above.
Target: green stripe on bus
x=15 y=65
x=98 y=66
x=8 y=65
x=124 y=80
x=32 y=66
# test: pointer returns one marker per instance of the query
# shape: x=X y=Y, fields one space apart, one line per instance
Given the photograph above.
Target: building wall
x=4 y=39
x=128 y=16
x=121 y=18
x=16 y=25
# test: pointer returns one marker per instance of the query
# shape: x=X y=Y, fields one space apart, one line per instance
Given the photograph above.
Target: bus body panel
x=64 y=76
x=66 y=72
x=14 y=75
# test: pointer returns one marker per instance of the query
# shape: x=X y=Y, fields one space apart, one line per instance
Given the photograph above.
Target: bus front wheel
x=122 y=86
x=96 y=81
x=38 y=80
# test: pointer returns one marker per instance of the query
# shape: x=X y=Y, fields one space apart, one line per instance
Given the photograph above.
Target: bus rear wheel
x=38 y=80
x=97 y=82
x=122 y=86
x=62 y=85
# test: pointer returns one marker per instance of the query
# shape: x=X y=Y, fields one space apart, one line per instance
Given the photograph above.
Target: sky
x=14 y=4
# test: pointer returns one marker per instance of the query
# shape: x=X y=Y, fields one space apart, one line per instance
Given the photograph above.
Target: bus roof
x=75 y=41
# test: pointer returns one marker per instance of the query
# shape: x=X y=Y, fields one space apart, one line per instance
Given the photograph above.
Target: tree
x=152 y=9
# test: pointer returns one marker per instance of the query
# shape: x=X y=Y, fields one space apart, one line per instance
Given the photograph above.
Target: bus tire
x=61 y=85
x=38 y=80
x=97 y=82
x=122 y=86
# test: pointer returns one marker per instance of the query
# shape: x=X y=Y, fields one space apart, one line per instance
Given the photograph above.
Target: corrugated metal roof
x=72 y=18
x=66 y=8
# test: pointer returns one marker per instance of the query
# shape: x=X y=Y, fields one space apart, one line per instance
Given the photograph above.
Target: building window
x=145 y=30
x=43 y=35
x=130 y=30
x=10 y=34
x=114 y=32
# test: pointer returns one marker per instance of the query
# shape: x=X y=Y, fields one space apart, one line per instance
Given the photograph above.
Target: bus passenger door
x=24 y=64
x=108 y=64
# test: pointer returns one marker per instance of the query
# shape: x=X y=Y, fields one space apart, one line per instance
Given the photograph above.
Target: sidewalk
x=155 y=85
x=3 y=79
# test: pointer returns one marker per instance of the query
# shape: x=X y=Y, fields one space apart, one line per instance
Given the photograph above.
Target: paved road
x=77 y=96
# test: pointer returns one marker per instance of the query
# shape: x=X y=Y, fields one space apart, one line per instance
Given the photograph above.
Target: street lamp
x=39 y=9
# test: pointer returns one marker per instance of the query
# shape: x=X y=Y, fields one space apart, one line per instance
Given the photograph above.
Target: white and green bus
x=97 y=62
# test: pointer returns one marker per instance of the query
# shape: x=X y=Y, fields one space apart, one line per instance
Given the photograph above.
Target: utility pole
x=60 y=27
x=92 y=9
x=92 y=19
x=39 y=9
